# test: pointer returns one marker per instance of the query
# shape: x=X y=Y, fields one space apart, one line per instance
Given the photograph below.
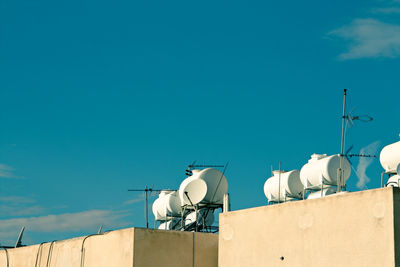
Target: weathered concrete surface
x=354 y=229
x=131 y=247
x=155 y=248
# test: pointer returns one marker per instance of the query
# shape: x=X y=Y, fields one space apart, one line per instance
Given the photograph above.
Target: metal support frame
x=389 y=174
x=195 y=226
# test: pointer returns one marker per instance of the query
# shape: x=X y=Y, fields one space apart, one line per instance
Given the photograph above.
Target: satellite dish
x=192 y=191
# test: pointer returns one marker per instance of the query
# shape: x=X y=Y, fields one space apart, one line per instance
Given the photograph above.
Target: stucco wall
x=155 y=248
x=128 y=247
x=354 y=229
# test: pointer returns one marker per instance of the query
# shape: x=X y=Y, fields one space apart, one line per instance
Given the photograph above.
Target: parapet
x=129 y=247
x=353 y=229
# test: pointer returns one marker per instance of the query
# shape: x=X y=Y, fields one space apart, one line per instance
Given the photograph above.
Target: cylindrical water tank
x=217 y=185
x=326 y=192
x=167 y=204
x=207 y=186
x=155 y=209
x=206 y=216
x=290 y=185
x=324 y=169
x=393 y=181
x=192 y=190
x=169 y=225
x=390 y=157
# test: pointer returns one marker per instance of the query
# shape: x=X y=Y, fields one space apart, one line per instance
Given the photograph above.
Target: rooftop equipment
x=390 y=157
x=172 y=224
x=321 y=193
x=204 y=217
x=283 y=185
x=147 y=193
x=193 y=190
x=192 y=207
x=393 y=181
x=323 y=170
x=347 y=120
x=166 y=205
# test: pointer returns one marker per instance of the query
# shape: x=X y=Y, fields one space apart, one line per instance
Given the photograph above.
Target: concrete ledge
x=133 y=247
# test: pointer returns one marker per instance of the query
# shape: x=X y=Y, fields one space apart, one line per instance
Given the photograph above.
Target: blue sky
x=98 y=97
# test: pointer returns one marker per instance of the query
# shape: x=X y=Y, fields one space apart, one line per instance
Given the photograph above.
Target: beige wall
x=155 y=248
x=354 y=229
x=396 y=205
x=128 y=247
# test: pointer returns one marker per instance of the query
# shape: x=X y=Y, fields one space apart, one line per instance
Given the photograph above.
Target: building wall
x=353 y=229
x=396 y=208
x=131 y=247
x=155 y=248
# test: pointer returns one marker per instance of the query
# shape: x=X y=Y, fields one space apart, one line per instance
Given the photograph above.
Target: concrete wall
x=396 y=204
x=155 y=248
x=128 y=247
x=354 y=229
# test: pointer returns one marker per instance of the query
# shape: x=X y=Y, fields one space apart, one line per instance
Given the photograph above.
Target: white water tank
x=290 y=185
x=326 y=192
x=390 y=157
x=208 y=217
x=207 y=186
x=155 y=209
x=393 y=181
x=217 y=185
x=323 y=169
x=167 y=204
x=169 y=225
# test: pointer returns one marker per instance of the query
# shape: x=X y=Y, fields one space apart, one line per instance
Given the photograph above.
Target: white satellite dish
x=194 y=188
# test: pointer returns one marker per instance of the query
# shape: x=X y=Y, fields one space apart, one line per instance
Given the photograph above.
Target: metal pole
x=279 y=184
x=339 y=187
x=382 y=173
x=195 y=210
x=147 y=209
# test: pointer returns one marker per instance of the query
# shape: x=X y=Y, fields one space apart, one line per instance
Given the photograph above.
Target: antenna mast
x=146 y=190
x=340 y=171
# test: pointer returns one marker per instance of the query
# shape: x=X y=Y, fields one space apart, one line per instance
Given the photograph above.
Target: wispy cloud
x=16 y=199
x=134 y=200
x=18 y=206
x=67 y=222
x=369 y=38
x=387 y=10
x=364 y=162
x=7 y=210
x=6 y=171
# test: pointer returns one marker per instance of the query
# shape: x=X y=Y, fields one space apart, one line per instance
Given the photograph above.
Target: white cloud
x=387 y=10
x=134 y=200
x=16 y=199
x=369 y=38
x=18 y=206
x=68 y=222
x=6 y=171
x=6 y=210
x=364 y=162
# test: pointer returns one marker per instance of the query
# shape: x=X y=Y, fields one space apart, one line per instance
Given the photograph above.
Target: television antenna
x=147 y=191
x=348 y=119
x=192 y=166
